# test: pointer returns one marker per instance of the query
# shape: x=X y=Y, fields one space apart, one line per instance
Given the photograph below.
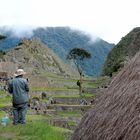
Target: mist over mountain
x=14 y=34
x=61 y=40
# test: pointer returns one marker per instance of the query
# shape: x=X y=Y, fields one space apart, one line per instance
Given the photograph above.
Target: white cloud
x=108 y=19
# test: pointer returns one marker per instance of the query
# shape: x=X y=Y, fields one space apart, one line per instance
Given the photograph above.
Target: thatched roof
x=116 y=115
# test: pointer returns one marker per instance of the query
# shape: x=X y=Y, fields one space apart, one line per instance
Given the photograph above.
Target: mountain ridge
x=62 y=39
x=37 y=60
x=122 y=52
x=29 y=51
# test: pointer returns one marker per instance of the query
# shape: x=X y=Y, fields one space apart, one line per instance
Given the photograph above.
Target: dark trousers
x=19 y=113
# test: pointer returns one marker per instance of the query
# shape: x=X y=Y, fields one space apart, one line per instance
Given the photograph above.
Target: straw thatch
x=116 y=115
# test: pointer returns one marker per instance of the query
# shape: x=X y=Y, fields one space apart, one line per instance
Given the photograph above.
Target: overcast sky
x=108 y=19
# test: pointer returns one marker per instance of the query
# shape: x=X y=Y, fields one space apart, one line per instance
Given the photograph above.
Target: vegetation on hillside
x=2 y=37
x=122 y=52
x=2 y=53
x=63 y=39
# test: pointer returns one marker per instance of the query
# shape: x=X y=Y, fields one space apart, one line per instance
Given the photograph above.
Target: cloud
x=18 y=31
x=108 y=19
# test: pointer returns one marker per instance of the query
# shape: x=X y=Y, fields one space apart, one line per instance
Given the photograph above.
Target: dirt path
x=8 y=135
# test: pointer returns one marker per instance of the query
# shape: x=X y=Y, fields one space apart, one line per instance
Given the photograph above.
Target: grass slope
x=37 y=128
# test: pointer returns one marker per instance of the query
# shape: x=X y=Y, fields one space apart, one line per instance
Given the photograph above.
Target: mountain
x=36 y=57
x=122 y=52
x=62 y=39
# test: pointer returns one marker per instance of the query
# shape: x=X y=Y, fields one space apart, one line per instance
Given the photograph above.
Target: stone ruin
x=3 y=80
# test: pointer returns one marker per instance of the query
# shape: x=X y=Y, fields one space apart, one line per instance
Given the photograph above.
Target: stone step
x=55 y=92
x=64 y=122
x=71 y=100
x=70 y=108
x=49 y=112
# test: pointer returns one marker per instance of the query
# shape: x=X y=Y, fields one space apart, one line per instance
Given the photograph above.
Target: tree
x=78 y=55
x=1 y=51
x=2 y=37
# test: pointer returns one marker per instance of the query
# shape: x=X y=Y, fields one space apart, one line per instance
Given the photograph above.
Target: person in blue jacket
x=18 y=87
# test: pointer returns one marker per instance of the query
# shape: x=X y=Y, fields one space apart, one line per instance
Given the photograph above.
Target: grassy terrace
x=72 y=79
x=46 y=89
x=73 y=95
x=69 y=114
x=67 y=105
x=72 y=122
x=90 y=84
x=5 y=104
x=58 y=77
x=37 y=128
x=87 y=94
x=2 y=92
x=2 y=114
x=5 y=100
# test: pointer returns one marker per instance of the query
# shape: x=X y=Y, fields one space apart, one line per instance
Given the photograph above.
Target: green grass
x=91 y=84
x=35 y=117
x=2 y=92
x=45 y=100
x=72 y=123
x=87 y=94
x=5 y=104
x=38 y=129
x=73 y=105
x=67 y=96
x=6 y=98
x=58 y=77
x=45 y=89
x=5 y=101
x=69 y=114
x=2 y=113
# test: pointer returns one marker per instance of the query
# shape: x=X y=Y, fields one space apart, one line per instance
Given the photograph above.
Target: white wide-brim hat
x=19 y=72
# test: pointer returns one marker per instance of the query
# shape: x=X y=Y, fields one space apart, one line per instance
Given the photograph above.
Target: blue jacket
x=19 y=88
